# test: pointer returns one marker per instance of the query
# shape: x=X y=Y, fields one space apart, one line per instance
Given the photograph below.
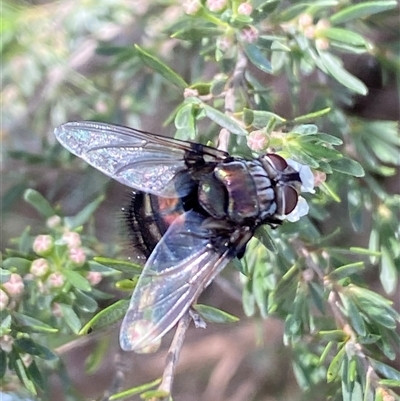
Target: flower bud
x=257 y=140
x=72 y=239
x=43 y=244
x=249 y=34
x=216 y=5
x=77 y=256
x=4 y=299
x=39 y=267
x=55 y=280
x=14 y=286
x=6 y=343
x=245 y=9
x=191 y=7
x=53 y=221
x=94 y=278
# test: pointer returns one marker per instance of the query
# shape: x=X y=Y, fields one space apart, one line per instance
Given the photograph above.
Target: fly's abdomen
x=148 y=218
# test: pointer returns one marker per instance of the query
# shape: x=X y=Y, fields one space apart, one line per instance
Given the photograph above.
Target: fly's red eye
x=291 y=197
x=278 y=162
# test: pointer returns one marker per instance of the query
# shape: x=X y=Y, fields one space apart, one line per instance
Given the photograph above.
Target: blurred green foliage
x=278 y=67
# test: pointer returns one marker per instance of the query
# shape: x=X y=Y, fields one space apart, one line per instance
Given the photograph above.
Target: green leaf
x=107 y=316
x=214 y=315
x=354 y=315
x=260 y=119
x=389 y=383
x=363 y=9
x=154 y=394
x=193 y=33
x=33 y=348
x=77 y=280
x=22 y=266
x=332 y=335
x=263 y=236
x=29 y=324
x=311 y=116
x=347 y=166
x=257 y=58
x=71 y=318
x=335 y=365
x=84 y=215
x=135 y=390
x=344 y=35
x=334 y=68
x=248 y=299
x=3 y=363
x=388 y=274
x=387 y=371
x=84 y=302
x=41 y=204
x=185 y=123
x=120 y=265
x=330 y=139
x=158 y=66
x=223 y=120
x=35 y=375
x=20 y=370
x=346 y=270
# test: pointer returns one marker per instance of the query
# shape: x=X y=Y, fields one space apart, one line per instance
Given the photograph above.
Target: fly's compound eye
x=278 y=162
x=289 y=198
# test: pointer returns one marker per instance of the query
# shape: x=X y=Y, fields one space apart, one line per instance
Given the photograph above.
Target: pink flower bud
x=77 y=256
x=39 y=267
x=245 y=9
x=216 y=5
x=53 y=221
x=224 y=43
x=94 y=278
x=322 y=43
x=4 y=299
x=257 y=140
x=249 y=34
x=309 y=32
x=191 y=7
x=55 y=280
x=319 y=178
x=14 y=286
x=323 y=24
x=6 y=343
x=305 y=20
x=72 y=239
x=43 y=244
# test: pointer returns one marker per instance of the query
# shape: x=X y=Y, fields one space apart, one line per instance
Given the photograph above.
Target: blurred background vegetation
x=77 y=60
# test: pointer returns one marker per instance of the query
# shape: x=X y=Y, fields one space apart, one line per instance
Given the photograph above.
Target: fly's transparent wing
x=144 y=161
x=180 y=267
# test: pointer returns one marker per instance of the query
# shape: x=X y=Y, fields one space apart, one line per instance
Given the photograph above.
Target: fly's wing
x=180 y=267
x=144 y=161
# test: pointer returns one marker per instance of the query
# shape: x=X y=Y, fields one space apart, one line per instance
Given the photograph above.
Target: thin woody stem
x=173 y=354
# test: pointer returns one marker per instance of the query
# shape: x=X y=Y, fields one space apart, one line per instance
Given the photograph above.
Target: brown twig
x=173 y=354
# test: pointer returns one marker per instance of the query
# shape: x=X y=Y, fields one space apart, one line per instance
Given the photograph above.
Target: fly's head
x=289 y=178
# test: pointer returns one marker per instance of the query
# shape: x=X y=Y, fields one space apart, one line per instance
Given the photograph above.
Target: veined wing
x=138 y=159
x=180 y=267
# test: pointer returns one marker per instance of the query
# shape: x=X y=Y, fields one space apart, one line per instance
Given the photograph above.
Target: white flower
x=306 y=175
x=299 y=211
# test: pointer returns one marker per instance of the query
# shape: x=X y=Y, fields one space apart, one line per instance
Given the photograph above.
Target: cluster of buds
x=314 y=31
x=57 y=252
